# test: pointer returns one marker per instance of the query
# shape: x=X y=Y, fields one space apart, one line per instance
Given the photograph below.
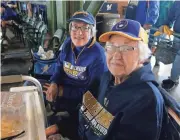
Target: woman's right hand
x=51 y=91
x=55 y=137
x=51 y=130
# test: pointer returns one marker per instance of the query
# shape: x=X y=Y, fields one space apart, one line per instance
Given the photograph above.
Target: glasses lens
x=126 y=48
x=110 y=48
x=84 y=28
x=74 y=28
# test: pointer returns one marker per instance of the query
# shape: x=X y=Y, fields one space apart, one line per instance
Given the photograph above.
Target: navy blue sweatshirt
x=131 y=110
x=77 y=68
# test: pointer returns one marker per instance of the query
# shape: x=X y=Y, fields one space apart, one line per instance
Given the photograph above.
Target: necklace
x=76 y=58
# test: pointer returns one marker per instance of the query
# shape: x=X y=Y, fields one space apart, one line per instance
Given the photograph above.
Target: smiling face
x=80 y=33
x=123 y=55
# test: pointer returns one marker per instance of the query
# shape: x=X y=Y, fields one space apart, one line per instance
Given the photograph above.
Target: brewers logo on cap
x=122 y=24
x=128 y=28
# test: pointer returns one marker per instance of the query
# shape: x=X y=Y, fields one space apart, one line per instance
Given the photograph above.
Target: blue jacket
x=128 y=111
x=75 y=75
x=174 y=17
x=164 y=8
x=147 y=14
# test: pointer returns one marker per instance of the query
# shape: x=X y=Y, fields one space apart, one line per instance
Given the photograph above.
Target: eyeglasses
x=82 y=28
x=123 y=48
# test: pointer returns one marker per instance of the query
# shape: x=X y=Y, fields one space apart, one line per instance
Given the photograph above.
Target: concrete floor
x=163 y=72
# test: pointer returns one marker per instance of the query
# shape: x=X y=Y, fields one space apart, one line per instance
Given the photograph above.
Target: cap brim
x=105 y=37
x=80 y=19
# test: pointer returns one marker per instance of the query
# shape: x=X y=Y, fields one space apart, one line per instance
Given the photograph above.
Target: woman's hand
x=51 y=91
x=55 y=137
x=51 y=130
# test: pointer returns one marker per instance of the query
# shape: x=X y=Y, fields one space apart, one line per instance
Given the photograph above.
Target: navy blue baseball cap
x=83 y=16
x=128 y=28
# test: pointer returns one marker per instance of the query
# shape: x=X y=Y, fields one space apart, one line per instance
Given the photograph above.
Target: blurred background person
x=164 y=8
x=147 y=13
x=173 y=18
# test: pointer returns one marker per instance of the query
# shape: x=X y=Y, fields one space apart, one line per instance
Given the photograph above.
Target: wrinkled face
x=122 y=55
x=80 y=33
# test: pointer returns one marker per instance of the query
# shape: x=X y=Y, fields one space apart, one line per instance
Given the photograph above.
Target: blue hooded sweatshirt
x=77 y=68
x=174 y=17
x=147 y=12
x=131 y=110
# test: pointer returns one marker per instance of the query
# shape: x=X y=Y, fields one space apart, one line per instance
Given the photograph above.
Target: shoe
x=5 y=42
x=168 y=84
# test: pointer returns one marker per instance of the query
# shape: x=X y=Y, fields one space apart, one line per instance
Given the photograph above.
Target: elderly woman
x=81 y=60
x=125 y=104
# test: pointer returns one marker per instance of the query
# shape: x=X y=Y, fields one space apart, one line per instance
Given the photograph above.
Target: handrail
x=21 y=78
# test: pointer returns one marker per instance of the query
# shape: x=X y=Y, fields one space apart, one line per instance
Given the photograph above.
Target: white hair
x=144 y=51
x=92 y=27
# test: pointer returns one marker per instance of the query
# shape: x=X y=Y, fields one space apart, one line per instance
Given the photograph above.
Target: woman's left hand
x=55 y=137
